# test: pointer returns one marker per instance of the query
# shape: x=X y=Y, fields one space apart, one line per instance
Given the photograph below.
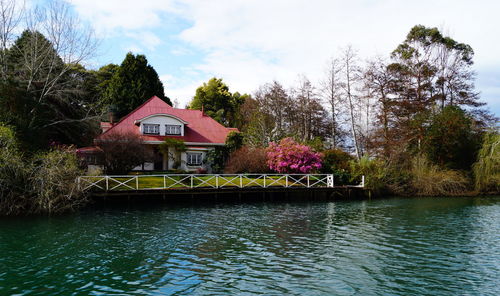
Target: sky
x=249 y=43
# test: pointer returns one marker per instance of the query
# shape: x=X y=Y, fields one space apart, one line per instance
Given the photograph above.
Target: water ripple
x=384 y=247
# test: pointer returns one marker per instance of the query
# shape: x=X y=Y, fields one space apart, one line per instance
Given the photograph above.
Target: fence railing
x=193 y=181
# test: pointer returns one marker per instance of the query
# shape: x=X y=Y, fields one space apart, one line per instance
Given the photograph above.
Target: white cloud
x=252 y=42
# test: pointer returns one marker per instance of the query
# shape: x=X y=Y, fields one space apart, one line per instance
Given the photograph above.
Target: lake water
x=440 y=246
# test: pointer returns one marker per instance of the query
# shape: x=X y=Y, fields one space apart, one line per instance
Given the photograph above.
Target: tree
x=134 y=82
x=288 y=156
x=307 y=115
x=122 y=152
x=487 y=168
x=450 y=139
x=41 y=81
x=377 y=82
x=331 y=90
x=218 y=102
x=351 y=72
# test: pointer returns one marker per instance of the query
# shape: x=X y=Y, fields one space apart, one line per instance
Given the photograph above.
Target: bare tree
x=11 y=14
x=332 y=92
x=351 y=73
x=121 y=152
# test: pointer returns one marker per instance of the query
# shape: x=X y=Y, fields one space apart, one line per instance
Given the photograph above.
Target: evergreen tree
x=218 y=102
x=134 y=82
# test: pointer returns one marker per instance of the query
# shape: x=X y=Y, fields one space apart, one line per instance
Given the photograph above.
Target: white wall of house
x=163 y=121
x=184 y=159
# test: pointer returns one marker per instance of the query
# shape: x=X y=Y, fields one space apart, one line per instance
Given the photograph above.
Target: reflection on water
x=445 y=246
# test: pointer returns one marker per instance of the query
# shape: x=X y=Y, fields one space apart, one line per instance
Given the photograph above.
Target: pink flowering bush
x=290 y=157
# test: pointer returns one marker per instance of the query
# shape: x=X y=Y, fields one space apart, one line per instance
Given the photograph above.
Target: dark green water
x=442 y=246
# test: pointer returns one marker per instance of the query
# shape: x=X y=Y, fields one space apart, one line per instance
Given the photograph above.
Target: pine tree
x=132 y=84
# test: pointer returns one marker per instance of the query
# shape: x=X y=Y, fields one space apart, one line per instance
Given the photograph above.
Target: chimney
x=105 y=126
x=111 y=117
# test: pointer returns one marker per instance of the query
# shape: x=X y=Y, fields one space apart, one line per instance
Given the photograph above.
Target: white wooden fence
x=193 y=181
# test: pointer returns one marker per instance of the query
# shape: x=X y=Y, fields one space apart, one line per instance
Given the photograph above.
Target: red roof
x=199 y=128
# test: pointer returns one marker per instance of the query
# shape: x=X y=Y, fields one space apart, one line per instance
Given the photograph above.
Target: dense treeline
x=413 y=122
x=49 y=102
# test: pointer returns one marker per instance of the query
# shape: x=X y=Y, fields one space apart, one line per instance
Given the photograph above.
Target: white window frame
x=151 y=129
x=176 y=128
x=194 y=158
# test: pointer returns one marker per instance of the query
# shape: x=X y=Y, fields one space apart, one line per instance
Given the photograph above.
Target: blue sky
x=249 y=43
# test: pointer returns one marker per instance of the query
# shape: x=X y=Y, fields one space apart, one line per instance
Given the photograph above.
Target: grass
x=184 y=182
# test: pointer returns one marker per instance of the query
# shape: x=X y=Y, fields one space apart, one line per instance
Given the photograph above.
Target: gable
x=198 y=128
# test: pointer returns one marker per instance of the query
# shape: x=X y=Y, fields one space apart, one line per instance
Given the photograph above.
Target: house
x=155 y=121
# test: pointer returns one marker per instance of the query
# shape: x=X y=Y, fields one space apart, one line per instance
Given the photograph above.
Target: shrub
x=450 y=139
x=428 y=179
x=375 y=171
x=247 y=160
x=335 y=160
x=487 y=168
x=53 y=182
x=44 y=184
x=288 y=156
x=123 y=151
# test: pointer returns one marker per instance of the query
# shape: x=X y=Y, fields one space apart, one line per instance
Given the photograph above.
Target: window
x=151 y=129
x=194 y=158
x=172 y=129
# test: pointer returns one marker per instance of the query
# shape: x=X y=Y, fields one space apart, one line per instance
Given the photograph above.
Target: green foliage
x=450 y=139
x=42 y=184
x=7 y=137
x=134 y=82
x=487 y=168
x=218 y=102
x=177 y=144
x=337 y=162
x=428 y=179
x=316 y=144
x=375 y=171
x=234 y=141
x=216 y=159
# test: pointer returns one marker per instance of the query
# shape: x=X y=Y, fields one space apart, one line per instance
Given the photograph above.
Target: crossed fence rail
x=193 y=181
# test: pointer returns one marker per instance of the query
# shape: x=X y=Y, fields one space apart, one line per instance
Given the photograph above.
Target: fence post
x=286 y=181
x=241 y=181
x=308 y=180
x=107 y=182
x=217 y=181
x=192 y=181
x=136 y=182
x=363 y=181
x=265 y=180
x=164 y=182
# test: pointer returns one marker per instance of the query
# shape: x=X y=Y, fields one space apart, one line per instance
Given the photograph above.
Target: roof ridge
x=133 y=111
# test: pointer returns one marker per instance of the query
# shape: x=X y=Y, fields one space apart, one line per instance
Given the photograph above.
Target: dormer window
x=151 y=129
x=171 y=129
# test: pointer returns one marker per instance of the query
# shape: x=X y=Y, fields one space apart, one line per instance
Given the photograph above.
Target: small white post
x=308 y=181
x=264 y=180
x=164 y=182
x=191 y=181
x=107 y=183
x=329 y=181
x=241 y=181
x=216 y=181
x=363 y=181
x=286 y=181
x=136 y=182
